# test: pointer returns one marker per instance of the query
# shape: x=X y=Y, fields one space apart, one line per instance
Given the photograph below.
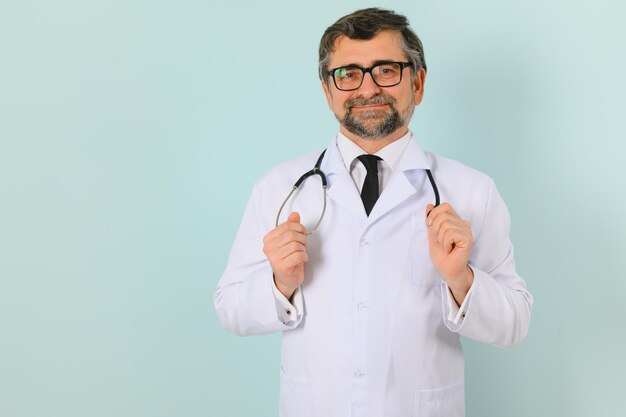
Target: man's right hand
x=285 y=247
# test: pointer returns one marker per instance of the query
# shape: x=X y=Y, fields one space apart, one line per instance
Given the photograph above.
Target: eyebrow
x=377 y=62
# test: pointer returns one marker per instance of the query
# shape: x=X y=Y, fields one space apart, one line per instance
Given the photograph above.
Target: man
x=371 y=305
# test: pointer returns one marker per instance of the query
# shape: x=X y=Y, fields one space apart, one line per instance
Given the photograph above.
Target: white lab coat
x=374 y=337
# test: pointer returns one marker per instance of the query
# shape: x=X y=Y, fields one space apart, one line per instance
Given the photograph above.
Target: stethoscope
x=317 y=171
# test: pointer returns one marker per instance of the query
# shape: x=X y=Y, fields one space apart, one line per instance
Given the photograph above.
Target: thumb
x=294 y=217
x=429 y=208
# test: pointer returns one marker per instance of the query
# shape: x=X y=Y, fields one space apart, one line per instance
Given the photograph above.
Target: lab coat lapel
x=397 y=190
x=399 y=187
x=341 y=187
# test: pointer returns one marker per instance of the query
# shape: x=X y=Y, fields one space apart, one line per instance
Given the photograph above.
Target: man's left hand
x=450 y=243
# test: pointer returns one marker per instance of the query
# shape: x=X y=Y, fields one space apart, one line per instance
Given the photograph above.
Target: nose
x=368 y=87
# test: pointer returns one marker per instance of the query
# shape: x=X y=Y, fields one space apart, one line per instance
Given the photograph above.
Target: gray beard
x=391 y=121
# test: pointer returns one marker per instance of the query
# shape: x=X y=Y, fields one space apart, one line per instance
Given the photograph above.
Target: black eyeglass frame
x=403 y=65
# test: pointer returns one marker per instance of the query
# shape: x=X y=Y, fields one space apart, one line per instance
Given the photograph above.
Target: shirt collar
x=413 y=157
x=391 y=153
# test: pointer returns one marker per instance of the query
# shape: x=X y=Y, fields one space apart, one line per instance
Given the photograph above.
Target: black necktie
x=369 y=193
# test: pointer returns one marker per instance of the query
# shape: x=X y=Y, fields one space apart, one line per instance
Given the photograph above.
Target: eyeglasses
x=386 y=74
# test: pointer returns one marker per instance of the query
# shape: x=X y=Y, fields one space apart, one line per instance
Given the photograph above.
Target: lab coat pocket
x=447 y=401
x=422 y=270
x=295 y=396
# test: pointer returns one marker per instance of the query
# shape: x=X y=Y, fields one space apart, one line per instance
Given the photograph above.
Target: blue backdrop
x=122 y=183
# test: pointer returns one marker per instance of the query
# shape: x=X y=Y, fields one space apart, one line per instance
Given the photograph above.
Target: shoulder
x=467 y=189
x=459 y=177
x=451 y=168
x=287 y=173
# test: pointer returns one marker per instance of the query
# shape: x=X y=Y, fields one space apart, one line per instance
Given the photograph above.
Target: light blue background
x=130 y=136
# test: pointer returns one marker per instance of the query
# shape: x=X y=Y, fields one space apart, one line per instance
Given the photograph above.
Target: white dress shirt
x=390 y=155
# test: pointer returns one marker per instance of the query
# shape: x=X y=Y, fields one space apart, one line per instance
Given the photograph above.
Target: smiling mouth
x=370 y=107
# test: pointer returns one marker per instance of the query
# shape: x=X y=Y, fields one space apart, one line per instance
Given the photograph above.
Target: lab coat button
x=365 y=243
x=358 y=373
x=362 y=306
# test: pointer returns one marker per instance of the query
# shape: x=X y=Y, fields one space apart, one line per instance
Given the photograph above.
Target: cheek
x=407 y=101
x=338 y=105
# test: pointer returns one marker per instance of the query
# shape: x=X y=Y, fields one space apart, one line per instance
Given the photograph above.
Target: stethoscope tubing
x=317 y=171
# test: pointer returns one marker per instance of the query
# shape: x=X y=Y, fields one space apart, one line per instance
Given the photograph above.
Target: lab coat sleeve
x=246 y=299
x=497 y=309
x=456 y=313
x=287 y=310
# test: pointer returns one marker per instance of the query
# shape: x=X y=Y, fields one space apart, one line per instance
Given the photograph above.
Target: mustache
x=379 y=99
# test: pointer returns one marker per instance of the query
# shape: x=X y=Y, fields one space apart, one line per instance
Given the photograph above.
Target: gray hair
x=365 y=24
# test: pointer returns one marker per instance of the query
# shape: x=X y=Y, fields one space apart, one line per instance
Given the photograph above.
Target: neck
x=373 y=145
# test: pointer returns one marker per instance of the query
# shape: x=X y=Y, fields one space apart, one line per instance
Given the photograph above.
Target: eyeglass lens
x=384 y=75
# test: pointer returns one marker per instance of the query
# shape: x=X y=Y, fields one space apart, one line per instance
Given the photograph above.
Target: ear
x=418 y=85
x=328 y=94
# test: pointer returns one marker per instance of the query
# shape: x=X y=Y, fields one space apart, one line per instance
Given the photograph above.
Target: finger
x=272 y=243
x=446 y=207
x=444 y=223
x=434 y=213
x=436 y=221
x=429 y=208
x=440 y=209
x=441 y=231
x=441 y=217
x=457 y=238
x=448 y=240
x=295 y=259
x=292 y=223
x=277 y=249
x=452 y=220
x=279 y=257
x=284 y=235
x=433 y=233
x=289 y=249
x=282 y=228
x=291 y=236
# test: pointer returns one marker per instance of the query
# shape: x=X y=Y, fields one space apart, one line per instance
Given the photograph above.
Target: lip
x=370 y=107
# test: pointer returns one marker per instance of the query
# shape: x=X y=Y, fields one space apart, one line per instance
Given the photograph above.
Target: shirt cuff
x=288 y=312
x=457 y=314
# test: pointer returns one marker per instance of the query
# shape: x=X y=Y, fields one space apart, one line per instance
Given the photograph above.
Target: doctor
x=371 y=305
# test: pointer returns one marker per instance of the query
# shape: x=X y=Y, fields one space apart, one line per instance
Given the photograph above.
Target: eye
x=347 y=73
x=388 y=69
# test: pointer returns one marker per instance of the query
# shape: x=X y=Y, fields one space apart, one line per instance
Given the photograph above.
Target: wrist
x=462 y=284
x=284 y=290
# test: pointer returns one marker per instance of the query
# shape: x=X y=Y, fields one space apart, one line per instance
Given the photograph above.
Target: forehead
x=386 y=45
